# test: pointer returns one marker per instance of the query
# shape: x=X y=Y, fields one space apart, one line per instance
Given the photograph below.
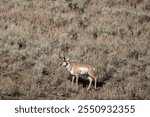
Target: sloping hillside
x=113 y=35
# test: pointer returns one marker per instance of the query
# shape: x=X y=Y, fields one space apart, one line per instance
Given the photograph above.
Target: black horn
x=64 y=57
x=60 y=56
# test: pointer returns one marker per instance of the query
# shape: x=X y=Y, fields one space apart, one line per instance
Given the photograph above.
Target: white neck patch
x=68 y=66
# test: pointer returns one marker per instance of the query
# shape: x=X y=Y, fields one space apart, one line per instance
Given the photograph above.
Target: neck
x=68 y=66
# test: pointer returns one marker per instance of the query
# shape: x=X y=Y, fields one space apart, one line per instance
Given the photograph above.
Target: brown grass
x=113 y=35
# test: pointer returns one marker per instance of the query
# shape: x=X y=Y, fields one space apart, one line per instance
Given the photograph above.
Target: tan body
x=77 y=69
x=81 y=68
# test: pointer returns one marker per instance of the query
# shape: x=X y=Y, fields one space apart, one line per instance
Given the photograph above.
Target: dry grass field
x=113 y=35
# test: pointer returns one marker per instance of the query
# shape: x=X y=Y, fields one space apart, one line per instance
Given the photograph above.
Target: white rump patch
x=83 y=70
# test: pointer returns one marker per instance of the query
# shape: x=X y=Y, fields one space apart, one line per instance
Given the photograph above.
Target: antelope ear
x=67 y=59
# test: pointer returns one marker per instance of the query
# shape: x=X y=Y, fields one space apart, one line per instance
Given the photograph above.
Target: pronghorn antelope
x=77 y=69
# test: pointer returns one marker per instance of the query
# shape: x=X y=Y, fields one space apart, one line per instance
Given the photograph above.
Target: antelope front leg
x=77 y=78
x=73 y=77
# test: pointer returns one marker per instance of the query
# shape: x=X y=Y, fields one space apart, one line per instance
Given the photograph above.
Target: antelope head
x=65 y=61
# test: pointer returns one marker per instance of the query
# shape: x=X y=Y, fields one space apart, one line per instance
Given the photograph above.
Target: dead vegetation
x=112 y=35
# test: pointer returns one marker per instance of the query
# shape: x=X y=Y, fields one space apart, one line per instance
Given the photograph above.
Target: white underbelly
x=83 y=70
